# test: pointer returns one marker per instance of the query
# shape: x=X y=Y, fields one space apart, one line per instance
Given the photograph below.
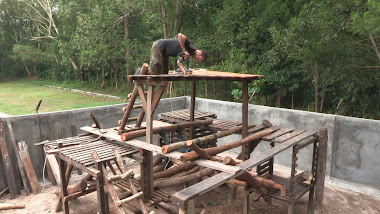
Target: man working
x=182 y=47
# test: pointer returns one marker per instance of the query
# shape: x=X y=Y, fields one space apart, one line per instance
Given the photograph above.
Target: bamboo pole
x=190 y=156
x=171 y=128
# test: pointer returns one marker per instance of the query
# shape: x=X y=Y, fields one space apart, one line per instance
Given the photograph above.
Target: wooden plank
x=7 y=164
x=25 y=158
x=54 y=167
x=287 y=136
x=277 y=134
x=181 y=197
x=19 y=162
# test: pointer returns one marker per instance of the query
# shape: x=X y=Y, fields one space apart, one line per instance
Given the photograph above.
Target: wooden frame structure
x=184 y=199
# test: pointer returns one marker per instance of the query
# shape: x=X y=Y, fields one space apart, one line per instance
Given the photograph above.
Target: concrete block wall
x=27 y=128
x=353 y=145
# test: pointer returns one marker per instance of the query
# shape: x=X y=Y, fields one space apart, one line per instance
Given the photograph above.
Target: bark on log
x=253 y=179
x=190 y=156
x=11 y=206
x=198 y=150
x=171 y=128
x=174 y=170
x=236 y=182
x=191 y=171
x=199 y=141
x=119 y=177
x=184 y=179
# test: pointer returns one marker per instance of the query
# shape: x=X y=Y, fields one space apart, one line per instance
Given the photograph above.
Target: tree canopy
x=318 y=55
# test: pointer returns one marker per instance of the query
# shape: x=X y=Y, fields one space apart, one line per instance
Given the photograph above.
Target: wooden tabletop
x=198 y=75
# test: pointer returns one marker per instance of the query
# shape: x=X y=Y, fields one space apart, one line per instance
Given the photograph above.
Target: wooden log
x=191 y=171
x=184 y=179
x=261 y=182
x=235 y=182
x=217 y=158
x=174 y=170
x=74 y=189
x=171 y=128
x=190 y=156
x=157 y=159
x=200 y=140
x=198 y=150
x=19 y=162
x=130 y=198
x=119 y=162
x=25 y=158
x=119 y=177
x=4 y=206
x=5 y=191
x=96 y=123
x=168 y=207
x=13 y=192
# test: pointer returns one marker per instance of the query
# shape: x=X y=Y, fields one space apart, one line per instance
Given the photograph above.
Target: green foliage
x=313 y=52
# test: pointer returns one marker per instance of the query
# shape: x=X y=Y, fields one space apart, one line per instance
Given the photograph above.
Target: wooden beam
x=321 y=168
x=19 y=162
x=25 y=158
x=7 y=164
x=192 y=105
x=244 y=132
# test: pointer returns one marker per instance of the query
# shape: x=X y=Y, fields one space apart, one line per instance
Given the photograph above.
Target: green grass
x=21 y=97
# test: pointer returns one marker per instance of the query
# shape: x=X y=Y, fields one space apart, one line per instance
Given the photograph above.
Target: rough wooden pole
x=321 y=168
x=244 y=132
x=190 y=156
x=200 y=140
x=199 y=150
x=184 y=179
x=174 y=170
x=170 y=128
x=192 y=105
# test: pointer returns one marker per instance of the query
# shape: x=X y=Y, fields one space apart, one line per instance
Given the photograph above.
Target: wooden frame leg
x=189 y=208
x=291 y=208
x=147 y=175
x=102 y=197
x=310 y=205
x=246 y=201
x=63 y=186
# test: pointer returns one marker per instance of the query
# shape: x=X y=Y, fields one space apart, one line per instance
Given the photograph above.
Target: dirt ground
x=216 y=201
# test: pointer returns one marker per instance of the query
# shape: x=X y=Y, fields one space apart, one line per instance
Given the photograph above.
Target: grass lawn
x=21 y=97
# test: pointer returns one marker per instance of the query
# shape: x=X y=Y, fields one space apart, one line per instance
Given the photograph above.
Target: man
x=164 y=48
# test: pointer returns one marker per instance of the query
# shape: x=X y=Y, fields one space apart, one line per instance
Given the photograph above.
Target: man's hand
x=186 y=54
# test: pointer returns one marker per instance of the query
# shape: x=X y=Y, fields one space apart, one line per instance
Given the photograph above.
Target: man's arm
x=180 y=65
x=182 y=40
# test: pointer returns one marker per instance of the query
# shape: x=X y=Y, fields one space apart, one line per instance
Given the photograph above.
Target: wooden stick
x=235 y=182
x=261 y=182
x=25 y=158
x=96 y=123
x=11 y=206
x=184 y=179
x=6 y=190
x=130 y=198
x=198 y=150
x=174 y=170
x=190 y=156
x=119 y=177
x=200 y=140
x=119 y=162
x=171 y=128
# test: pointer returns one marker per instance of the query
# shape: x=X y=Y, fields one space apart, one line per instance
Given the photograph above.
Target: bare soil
x=215 y=201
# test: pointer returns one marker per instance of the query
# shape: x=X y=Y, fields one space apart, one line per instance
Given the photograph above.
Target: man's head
x=200 y=55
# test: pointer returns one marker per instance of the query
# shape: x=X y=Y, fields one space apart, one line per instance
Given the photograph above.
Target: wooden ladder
x=138 y=90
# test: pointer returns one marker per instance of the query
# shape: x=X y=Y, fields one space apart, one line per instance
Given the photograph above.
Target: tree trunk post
x=321 y=168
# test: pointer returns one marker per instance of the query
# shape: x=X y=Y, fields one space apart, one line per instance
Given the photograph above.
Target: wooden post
x=25 y=158
x=64 y=183
x=102 y=197
x=246 y=201
x=189 y=208
x=192 y=105
x=321 y=168
x=244 y=131
x=19 y=162
x=8 y=164
x=147 y=163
